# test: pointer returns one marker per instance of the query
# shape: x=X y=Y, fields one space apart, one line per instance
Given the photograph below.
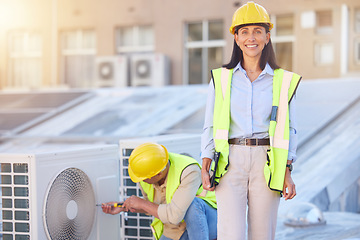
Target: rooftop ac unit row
x=111 y=71
x=54 y=195
x=134 y=225
x=150 y=70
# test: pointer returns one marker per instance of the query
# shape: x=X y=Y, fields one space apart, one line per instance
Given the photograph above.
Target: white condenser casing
x=53 y=195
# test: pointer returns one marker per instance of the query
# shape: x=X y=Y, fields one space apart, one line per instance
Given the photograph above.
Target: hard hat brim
x=133 y=177
x=232 y=28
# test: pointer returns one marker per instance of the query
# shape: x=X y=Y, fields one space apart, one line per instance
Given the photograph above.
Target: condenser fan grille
x=70 y=206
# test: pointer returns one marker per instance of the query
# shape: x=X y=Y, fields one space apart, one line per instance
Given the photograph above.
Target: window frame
x=357 y=20
x=204 y=45
x=79 y=51
x=25 y=54
x=324 y=30
x=284 y=38
x=136 y=46
x=357 y=51
x=317 y=53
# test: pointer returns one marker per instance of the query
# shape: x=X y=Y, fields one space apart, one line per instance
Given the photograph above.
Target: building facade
x=88 y=43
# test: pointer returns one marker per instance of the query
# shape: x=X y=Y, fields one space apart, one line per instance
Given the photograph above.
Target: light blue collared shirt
x=250 y=109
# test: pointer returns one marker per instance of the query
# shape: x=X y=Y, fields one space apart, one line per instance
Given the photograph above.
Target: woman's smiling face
x=252 y=39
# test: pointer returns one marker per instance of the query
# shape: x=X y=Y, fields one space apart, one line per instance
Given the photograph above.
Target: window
x=135 y=39
x=324 y=54
x=203 y=50
x=284 y=55
x=357 y=51
x=357 y=20
x=78 y=50
x=25 y=60
x=324 y=22
x=283 y=38
x=285 y=25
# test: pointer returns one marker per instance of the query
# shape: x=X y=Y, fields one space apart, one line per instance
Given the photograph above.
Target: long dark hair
x=267 y=55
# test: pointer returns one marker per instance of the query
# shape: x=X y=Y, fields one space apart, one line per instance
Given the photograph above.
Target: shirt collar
x=267 y=69
x=238 y=67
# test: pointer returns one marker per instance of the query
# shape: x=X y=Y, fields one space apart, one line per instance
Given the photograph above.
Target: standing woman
x=250 y=120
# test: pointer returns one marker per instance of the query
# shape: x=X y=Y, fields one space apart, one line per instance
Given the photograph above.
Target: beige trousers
x=243 y=193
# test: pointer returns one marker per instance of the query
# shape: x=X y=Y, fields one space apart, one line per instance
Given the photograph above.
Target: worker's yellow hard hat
x=147 y=160
x=250 y=13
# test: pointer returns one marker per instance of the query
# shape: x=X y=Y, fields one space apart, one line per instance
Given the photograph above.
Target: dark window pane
x=195 y=66
x=215 y=59
x=284 y=55
x=215 y=30
x=284 y=25
x=195 y=32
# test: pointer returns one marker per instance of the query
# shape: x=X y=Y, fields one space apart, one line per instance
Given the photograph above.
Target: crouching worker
x=170 y=186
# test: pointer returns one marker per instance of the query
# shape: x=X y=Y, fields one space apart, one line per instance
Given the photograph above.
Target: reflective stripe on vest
x=284 y=87
x=177 y=165
x=221 y=118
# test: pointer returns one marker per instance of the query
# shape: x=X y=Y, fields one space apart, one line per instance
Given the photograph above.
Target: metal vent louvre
x=69 y=210
x=133 y=225
x=14 y=201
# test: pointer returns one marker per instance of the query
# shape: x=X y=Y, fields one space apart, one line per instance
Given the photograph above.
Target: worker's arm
x=175 y=211
x=140 y=205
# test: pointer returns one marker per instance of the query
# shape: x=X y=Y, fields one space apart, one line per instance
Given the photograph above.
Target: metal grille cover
x=69 y=210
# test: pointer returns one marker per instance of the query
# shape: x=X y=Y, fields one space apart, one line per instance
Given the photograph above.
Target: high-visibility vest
x=284 y=86
x=177 y=165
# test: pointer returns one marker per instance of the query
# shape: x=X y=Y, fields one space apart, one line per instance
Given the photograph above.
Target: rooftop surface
x=327 y=171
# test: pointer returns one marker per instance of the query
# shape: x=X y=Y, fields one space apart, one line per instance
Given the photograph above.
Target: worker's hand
x=289 y=191
x=134 y=204
x=205 y=176
x=110 y=209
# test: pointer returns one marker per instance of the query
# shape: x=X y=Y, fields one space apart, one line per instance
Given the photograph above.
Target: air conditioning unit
x=111 y=71
x=149 y=70
x=54 y=195
x=134 y=225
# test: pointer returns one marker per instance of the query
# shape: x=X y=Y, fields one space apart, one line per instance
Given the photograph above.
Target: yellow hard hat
x=147 y=160
x=250 y=13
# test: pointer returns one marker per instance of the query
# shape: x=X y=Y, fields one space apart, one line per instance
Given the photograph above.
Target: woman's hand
x=289 y=191
x=205 y=176
x=110 y=209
